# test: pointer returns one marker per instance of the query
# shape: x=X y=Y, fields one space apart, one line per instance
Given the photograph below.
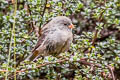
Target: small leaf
x=26 y=36
x=47 y=5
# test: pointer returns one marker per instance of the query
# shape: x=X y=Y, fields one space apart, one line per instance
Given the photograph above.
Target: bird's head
x=62 y=22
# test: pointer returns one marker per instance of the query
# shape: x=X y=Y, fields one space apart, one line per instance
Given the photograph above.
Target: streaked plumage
x=56 y=37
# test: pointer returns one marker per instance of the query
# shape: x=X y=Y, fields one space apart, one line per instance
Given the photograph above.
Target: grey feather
x=56 y=38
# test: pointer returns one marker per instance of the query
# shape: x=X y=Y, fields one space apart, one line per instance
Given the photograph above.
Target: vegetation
x=94 y=54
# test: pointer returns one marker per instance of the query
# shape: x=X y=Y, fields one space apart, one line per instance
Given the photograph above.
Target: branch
x=96 y=32
x=111 y=71
x=81 y=61
x=12 y=37
x=43 y=11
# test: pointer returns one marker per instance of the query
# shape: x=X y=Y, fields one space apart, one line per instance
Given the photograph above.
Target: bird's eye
x=65 y=24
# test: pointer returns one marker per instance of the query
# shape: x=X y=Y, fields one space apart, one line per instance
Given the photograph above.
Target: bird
x=56 y=37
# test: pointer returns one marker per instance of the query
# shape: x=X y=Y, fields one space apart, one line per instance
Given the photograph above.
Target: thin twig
x=95 y=37
x=81 y=61
x=43 y=12
x=96 y=32
x=15 y=5
x=111 y=71
x=12 y=34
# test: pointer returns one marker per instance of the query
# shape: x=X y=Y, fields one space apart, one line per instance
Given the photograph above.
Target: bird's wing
x=51 y=42
x=40 y=40
x=35 y=52
x=44 y=32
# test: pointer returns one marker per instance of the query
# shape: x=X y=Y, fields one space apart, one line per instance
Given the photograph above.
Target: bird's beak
x=71 y=26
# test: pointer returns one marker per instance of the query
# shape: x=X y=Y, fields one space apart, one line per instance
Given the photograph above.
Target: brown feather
x=55 y=38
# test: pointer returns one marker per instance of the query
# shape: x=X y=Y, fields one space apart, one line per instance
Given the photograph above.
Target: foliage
x=94 y=54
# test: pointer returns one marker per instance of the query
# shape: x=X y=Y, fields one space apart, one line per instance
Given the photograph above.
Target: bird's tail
x=32 y=56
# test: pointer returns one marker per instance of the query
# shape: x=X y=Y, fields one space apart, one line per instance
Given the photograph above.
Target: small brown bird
x=56 y=37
